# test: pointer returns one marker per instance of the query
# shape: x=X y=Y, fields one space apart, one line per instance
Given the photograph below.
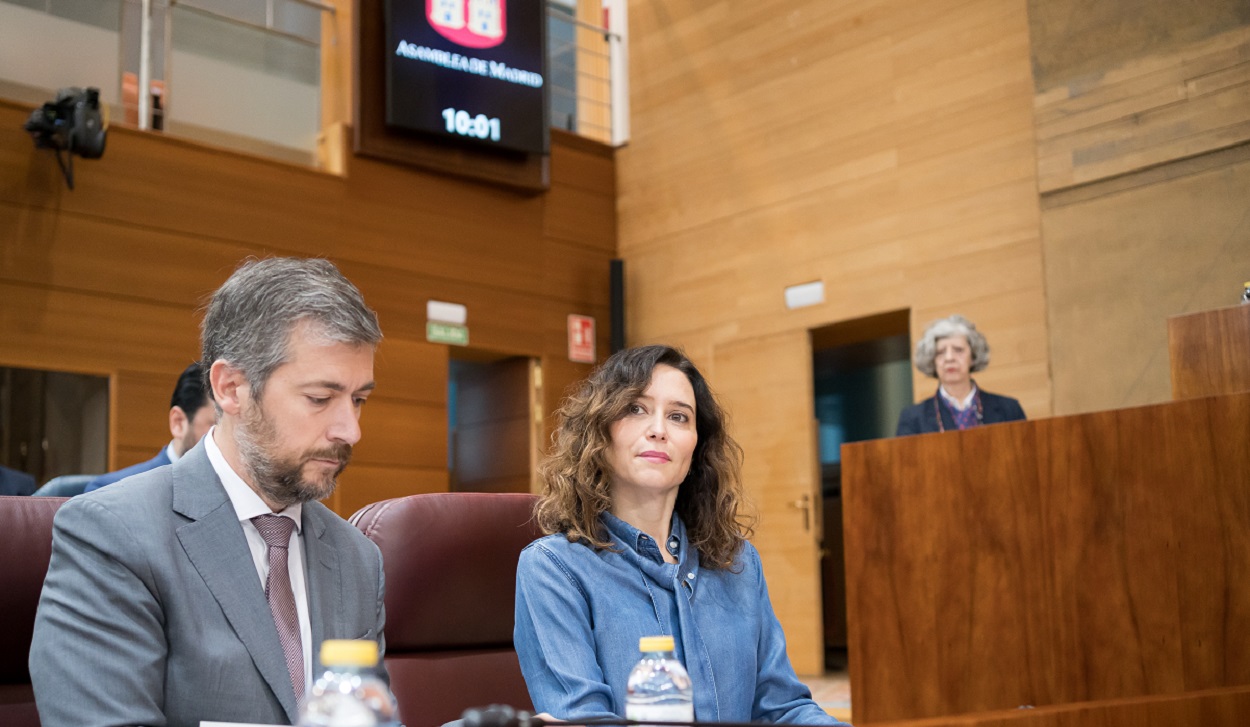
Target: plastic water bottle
x=349 y=693
x=659 y=687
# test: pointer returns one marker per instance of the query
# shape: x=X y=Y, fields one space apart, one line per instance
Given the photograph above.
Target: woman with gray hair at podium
x=950 y=350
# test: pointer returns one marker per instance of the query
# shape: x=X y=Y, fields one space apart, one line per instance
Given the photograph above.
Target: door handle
x=804 y=503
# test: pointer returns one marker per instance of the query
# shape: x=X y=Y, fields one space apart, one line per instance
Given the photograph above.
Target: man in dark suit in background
x=190 y=417
x=203 y=590
x=15 y=482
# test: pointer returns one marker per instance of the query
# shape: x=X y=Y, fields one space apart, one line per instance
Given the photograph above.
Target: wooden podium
x=1210 y=352
x=1095 y=568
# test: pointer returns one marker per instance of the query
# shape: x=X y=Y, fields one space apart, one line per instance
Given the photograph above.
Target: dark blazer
x=15 y=482
x=922 y=418
x=159 y=460
x=152 y=612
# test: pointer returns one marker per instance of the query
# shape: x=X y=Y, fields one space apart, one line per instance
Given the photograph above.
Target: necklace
x=939 y=401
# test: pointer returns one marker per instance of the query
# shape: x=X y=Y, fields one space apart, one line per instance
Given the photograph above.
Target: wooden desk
x=1078 y=559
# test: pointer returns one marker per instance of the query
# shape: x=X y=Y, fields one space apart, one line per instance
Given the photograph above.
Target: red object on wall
x=581 y=338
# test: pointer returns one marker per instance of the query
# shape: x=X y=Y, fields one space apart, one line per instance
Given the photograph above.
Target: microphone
x=501 y=715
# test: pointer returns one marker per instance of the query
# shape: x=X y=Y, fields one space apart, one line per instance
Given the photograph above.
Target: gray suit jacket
x=152 y=612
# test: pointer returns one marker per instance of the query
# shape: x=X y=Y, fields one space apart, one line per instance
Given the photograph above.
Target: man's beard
x=189 y=440
x=281 y=481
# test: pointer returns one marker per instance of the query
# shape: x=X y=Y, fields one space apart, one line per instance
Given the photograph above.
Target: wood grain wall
x=1074 y=39
x=1143 y=139
x=1123 y=256
x=885 y=147
x=1161 y=107
x=108 y=278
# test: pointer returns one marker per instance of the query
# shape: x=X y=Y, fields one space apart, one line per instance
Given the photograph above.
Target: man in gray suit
x=202 y=590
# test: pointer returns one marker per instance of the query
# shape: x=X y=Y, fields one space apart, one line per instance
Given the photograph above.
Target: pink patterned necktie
x=276 y=530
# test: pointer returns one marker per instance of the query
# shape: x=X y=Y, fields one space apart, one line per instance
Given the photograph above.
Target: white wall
x=47 y=52
x=212 y=93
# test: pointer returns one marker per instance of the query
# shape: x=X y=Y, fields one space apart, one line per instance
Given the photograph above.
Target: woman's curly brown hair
x=577 y=476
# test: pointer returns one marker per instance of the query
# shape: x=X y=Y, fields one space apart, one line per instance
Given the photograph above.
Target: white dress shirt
x=960 y=405
x=247 y=505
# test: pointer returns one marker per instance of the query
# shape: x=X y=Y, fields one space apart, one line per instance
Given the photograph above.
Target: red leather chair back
x=25 y=549
x=450 y=562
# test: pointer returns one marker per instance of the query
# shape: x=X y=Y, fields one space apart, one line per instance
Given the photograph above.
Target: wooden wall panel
x=109 y=278
x=1150 y=110
x=578 y=272
x=134 y=184
x=402 y=434
x=586 y=162
x=62 y=330
x=143 y=424
x=1082 y=558
x=415 y=371
x=1077 y=40
x=883 y=147
x=363 y=484
x=779 y=184
x=440 y=230
x=1121 y=259
x=1143 y=119
x=781 y=481
x=94 y=255
x=576 y=208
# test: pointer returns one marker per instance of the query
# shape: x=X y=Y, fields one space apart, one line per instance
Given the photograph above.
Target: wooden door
x=766 y=384
x=491 y=444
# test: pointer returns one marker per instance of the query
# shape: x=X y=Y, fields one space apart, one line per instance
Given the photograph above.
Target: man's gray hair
x=956 y=325
x=249 y=320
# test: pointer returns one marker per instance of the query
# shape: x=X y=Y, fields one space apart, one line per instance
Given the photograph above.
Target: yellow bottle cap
x=349 y=652
x=655 y=643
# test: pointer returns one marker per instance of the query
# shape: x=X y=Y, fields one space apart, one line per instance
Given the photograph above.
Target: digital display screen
x=469 y=69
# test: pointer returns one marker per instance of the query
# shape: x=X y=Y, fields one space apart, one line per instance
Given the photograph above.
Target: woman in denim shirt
x=642 y=498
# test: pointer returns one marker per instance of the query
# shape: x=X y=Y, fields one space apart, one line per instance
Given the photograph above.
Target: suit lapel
x=215 y=545
x=991 y=412
x=940 y=410
x=325 y=594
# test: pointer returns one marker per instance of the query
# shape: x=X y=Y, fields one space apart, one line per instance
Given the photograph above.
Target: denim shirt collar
x=646 y=552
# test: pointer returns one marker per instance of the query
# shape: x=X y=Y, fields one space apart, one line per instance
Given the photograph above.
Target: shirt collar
x=247 y=504
x=649 y=558
x=171 y=453
x=644 y=544
x=960 y=405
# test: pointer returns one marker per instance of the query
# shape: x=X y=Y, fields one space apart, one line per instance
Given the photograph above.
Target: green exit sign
x=450 y=333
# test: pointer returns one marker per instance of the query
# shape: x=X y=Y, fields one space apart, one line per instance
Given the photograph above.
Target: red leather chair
x=450 y=562
x=25 y=549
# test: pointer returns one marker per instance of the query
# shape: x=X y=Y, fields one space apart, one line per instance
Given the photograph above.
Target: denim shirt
x=580 y=613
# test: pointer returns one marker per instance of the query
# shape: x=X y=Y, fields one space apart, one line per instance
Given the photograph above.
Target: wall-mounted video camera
x=74 y=124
